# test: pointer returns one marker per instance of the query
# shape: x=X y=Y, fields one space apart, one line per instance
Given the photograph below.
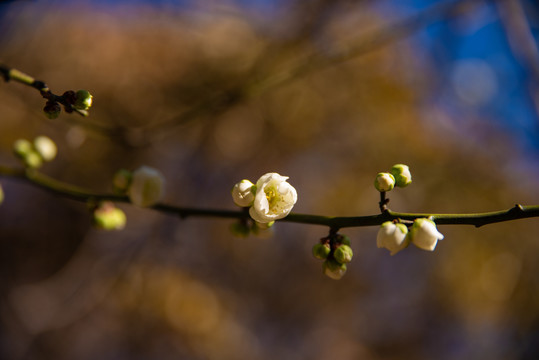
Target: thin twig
x=38 y=179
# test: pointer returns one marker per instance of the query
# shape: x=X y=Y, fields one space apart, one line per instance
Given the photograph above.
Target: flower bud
x=22 y=148
x=121 y=181
x=321 y=251
x=343 y=254
x=424 y=234
x=243 y=193
x=384 y=182
x=392 y=237
x=109 y=217
x=45 y=147
x=83 y=100
x=33 y=160
x=147 y=187
x=402 y=175
x=52 y=109
x=333 y=269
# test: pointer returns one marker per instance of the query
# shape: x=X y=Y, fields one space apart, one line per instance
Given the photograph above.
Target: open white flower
x=274 y=198
x=424 y=234
x=392 y=237
x=242 y=193
x=146 y=188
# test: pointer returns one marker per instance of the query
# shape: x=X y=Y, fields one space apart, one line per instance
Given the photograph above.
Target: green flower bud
x=45 y=147
x=402 y=175
x=333 y=269
x=52 y=109
x=321 y=251
x=83 y=100
x=33 y=160
x=384 y=182
x=22 y=148
x=343 y=254
x=109 y=217
x=121 y=181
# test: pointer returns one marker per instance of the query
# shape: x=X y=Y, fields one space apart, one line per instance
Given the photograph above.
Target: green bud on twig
x=83 y=100
x=22 y=148
x=343 y=254
x=402 y=175
x=121 y=181
x=52 y=109
x=321 y=251
x=109 y=217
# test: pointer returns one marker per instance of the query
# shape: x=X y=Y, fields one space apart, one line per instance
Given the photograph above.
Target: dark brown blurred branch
x=373 y=41
x=250 y=88
x=38 y=179
x=521 y=41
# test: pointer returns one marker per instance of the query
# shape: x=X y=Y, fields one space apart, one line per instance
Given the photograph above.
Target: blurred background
x=327 y=92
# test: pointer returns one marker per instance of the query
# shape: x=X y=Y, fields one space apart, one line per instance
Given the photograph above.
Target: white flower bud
x=243 y=193
x=274 y=198
x=392 y=237
x=333 y=269
x=424 y=234
x=402 y=175
x=147 y=187
x=45 y=147
x=384 y=182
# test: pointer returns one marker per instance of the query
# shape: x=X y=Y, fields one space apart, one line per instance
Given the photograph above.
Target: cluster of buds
x=336 y=252
x=107 y=216
x=270 y=199
x=395 y=236
x=399 y=175
x=79 y=101
x=33 y=154
x=144 y=186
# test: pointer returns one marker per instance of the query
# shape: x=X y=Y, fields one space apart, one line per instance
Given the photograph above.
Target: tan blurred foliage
x=170 y=288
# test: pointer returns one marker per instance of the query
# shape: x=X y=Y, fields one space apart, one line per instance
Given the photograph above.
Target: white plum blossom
x=424 y=234
x=274 y=198
x=243 y=194
x=147 y=187
x=392 y=237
